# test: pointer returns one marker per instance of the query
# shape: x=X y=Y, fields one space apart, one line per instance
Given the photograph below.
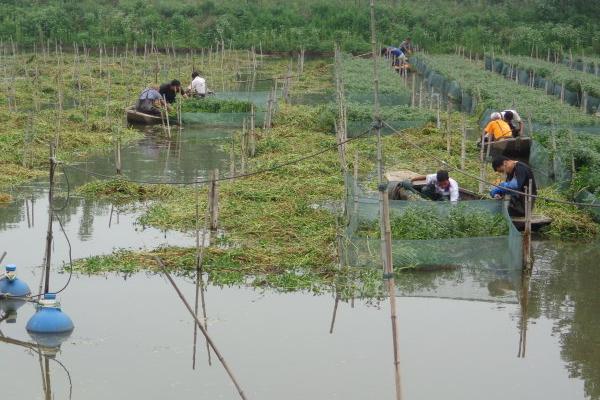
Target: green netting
x=221 y=119
x=258 y=98
x=473 y=284
x=450 y=90
x=357 y=128
x=494 y=91
x=501 y=252
x=385 y=99
x=589 y=198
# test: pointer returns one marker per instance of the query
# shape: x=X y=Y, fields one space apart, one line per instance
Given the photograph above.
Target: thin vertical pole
x=50 y=219
x=386 y=244
x=463 y=145
x=527 y=232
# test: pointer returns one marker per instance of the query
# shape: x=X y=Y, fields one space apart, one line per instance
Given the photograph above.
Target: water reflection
x=46 y=350
x=564 y=288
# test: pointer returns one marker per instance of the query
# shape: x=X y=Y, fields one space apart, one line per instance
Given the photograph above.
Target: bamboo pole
x=202 y=328
x=48 y=253
x=166 y=110
x=463 y=144
x=213 y=199
x=335 y=307
x=524 y=303
x=386 y=244
x=376 y=111
x=412 y=99
x=527 y=260
x=355 y=183
x=253 y=132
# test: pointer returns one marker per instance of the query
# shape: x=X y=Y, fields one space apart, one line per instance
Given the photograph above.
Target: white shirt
x=451 y=191
x=198 y=85
x=516 y=116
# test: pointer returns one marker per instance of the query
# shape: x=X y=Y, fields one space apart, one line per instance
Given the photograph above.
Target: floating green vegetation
x=357 y=74
x=77 y=102
x=568 y=221
x=213 y=105
x=579 y=154
x=422 y=222
x=322 y=118
x=122 y=191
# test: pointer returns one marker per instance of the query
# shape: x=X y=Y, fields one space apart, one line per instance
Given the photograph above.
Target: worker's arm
x=418 y=178
x=521 y=128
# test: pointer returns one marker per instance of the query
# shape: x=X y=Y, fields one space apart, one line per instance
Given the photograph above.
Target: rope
x=460 y=171
x=228 y=178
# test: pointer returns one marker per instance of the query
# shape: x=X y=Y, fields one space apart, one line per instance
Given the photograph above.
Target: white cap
x=495 y=116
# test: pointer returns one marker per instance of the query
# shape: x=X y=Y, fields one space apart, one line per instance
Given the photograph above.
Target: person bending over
x=438 y=187
x=497 y=129
x=513 y=119
x=518 y=175
x=169 y=90
x=150 y=101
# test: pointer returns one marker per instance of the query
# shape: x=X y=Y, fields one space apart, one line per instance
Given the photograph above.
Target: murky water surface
x=133 y=336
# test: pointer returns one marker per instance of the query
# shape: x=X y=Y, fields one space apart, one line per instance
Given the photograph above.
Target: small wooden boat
x=136 y=117
x=538 y=221
x=513 y=148
x=395 y=177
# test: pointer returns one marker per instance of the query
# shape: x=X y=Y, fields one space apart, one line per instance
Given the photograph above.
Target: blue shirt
x=150 y=94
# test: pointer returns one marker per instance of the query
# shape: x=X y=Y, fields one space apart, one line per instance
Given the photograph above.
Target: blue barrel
x=12 y=285
x=49 y=318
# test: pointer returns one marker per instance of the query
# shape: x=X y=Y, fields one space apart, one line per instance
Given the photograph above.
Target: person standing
x=518 y=176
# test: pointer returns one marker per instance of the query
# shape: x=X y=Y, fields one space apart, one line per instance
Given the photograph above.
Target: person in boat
x=518 y=176
x=513 y=119
x=406 y=46
x=438 y=186
x=169 y=90
x=151 y=101
x=198 y=86
x=496 y=129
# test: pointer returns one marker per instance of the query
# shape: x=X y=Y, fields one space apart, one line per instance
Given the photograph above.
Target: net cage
x=499 y=252
x=358 y=128
x=524 y=77
x=464 y=268
x=469 y=103
x=260 y=99
x=449 y=89
x=555 y=168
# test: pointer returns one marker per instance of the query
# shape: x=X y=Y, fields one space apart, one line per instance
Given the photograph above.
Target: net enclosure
x=228 y=109
x=472 y=234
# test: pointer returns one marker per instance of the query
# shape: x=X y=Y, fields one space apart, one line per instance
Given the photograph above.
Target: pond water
x=133 y=339
x=133 y=336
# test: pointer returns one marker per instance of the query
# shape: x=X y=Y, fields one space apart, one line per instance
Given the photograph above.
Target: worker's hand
x=498 y=196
